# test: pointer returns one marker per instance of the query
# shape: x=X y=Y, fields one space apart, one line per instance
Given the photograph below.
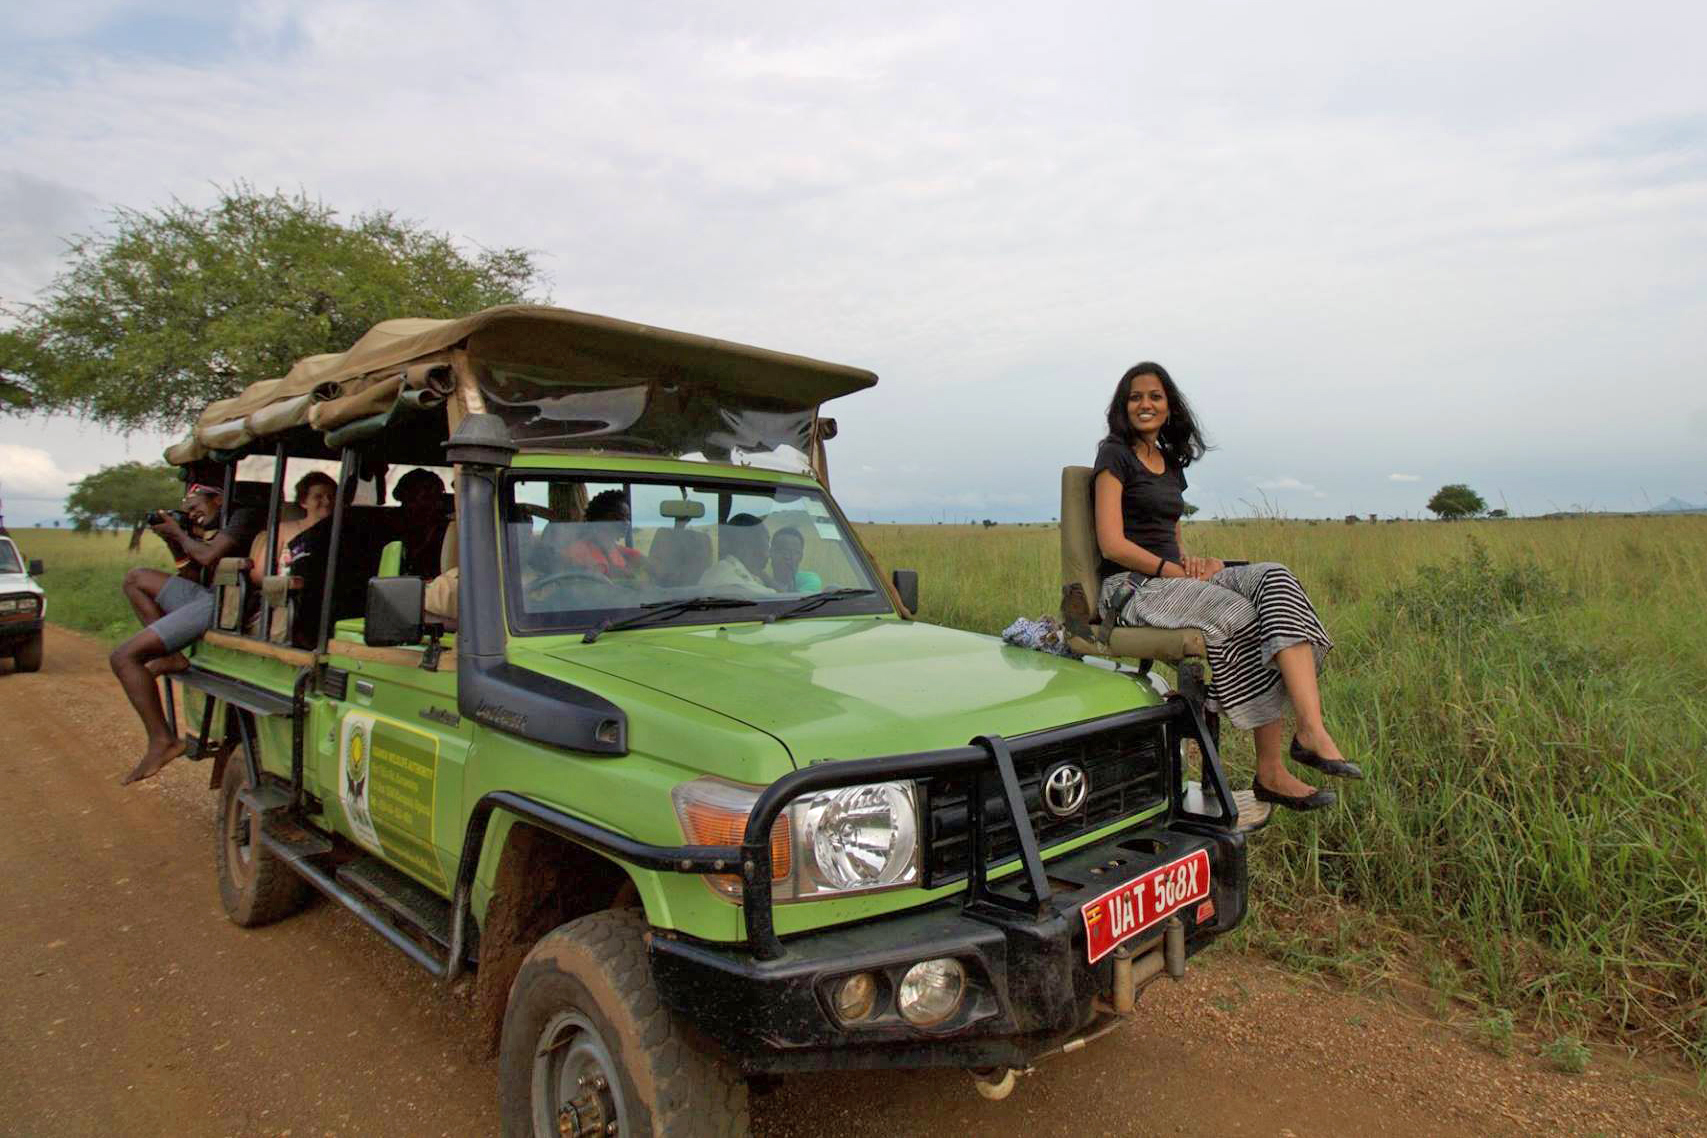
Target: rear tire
x=256 y=887
x=26 y=657
x=587 y=1044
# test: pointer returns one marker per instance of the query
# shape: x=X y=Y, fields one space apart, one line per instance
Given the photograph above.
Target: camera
x=155 y=517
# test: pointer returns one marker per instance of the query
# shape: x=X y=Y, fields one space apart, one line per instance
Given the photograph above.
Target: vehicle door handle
x=364 y=687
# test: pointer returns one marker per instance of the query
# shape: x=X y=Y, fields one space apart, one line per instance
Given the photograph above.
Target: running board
x=1253 y=815
x=405 y=900
x=298 y=858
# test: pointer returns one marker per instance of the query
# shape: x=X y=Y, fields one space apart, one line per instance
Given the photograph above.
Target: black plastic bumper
x=1030 y=984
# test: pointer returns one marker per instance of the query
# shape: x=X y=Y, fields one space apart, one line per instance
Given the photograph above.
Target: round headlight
x=863 y=836
x=856 y=996
x=931 y=991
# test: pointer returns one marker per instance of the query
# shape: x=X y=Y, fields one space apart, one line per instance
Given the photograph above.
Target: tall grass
x=1529 y=700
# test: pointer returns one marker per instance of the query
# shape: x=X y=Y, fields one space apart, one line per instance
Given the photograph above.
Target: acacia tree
x=1456 y=501
x=122 y=495
x=175 y=307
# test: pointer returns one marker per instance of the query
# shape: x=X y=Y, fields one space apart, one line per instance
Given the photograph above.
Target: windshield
x=582 y=551
x=9 y=559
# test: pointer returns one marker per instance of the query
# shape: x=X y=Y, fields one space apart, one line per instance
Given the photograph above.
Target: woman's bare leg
x=1297 y=666
x=1270 y=740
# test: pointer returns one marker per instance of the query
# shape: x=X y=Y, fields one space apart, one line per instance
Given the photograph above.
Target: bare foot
x=168 y=665
x=1318 y=741
x=1285 y=782
x=160 y=752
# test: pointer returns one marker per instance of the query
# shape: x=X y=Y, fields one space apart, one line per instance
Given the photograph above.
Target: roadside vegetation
x=1528 y=697
x=1530 y=701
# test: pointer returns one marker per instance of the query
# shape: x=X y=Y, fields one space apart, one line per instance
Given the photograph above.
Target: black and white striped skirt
x=1247 y=614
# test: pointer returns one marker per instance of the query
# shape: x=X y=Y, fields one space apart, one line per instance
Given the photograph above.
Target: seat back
x=1081 y=583
x=680 y=556
x=447 y=550
x=1081 y=588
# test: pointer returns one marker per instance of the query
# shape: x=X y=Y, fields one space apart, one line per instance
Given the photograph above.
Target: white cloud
x=997 y=206
x=1404 y=478
x=30 y=472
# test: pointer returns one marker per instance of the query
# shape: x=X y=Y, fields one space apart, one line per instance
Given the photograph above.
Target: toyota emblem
x=1065 y=789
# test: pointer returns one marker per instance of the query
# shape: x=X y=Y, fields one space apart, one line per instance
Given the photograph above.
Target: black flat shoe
x=1338 y=768
x=1321 y=798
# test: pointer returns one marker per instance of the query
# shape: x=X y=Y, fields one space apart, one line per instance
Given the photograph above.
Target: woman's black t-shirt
x=1150 y=504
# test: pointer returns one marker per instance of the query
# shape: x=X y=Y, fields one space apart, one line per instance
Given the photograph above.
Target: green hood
x=857 y=687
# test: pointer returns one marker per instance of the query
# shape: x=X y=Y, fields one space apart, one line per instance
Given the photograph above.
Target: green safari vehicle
x=647 y=746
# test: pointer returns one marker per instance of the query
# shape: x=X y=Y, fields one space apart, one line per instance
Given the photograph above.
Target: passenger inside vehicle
x=745 y=549
x=788 y=549
x=598 y=542
x=422 y=521
x=315 y=493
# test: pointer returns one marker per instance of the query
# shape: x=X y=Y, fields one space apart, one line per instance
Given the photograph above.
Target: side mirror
x=394 y=611
x=906 y=582
x=35 y=567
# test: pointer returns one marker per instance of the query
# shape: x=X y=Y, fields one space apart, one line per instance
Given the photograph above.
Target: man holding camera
x=175 y=609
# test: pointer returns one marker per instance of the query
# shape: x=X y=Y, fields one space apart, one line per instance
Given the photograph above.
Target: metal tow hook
x=994 y=1083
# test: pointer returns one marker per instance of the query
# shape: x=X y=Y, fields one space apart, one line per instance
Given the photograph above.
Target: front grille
x=1127 y=770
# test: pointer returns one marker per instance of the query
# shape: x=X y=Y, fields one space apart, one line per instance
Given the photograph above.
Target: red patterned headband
x=204 y=488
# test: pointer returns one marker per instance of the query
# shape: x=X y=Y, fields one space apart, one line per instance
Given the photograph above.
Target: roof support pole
x=346 y=470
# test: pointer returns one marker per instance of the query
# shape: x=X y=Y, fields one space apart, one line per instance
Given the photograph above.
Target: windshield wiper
x=806 y=604
x=658 y=610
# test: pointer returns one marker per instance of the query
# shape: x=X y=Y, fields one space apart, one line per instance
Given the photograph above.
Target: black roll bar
x=985 y=756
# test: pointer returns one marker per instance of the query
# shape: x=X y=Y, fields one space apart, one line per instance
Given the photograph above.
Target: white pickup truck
x=23 y=607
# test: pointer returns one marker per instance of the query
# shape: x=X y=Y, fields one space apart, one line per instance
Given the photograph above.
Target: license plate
x=1127 y=910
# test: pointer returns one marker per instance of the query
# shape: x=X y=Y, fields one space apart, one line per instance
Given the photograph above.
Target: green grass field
x=1529 y=699
x=83 y=572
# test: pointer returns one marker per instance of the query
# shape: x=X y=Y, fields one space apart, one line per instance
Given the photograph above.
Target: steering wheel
x=584 y=576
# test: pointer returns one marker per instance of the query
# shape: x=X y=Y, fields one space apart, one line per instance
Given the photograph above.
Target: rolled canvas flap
x=229 y=435
x=282 y=416
x=370 y=399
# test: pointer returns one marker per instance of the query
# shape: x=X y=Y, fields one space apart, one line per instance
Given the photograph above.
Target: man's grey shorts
x=189 y=613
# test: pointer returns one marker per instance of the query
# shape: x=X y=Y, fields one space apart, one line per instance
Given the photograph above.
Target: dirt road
x=131 y=1005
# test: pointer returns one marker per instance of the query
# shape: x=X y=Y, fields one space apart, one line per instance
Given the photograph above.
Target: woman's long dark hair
x=1180 y=438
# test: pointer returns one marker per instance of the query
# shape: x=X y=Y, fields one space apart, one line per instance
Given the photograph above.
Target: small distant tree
x=1456 y=501
x=987 y=523
x=1498 y=514
x=122 y=495
x=1190 y=509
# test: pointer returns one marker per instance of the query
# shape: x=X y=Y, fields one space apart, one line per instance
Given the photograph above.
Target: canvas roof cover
x=325 y=391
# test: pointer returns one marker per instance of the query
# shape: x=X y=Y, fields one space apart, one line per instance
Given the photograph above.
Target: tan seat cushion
x=1081 y=586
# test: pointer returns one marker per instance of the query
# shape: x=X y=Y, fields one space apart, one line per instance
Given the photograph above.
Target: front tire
x=256 y=887
x=587 y=1044
x=26 y=657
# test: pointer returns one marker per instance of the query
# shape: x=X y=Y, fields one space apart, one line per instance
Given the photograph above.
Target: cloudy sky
x=1382 y=250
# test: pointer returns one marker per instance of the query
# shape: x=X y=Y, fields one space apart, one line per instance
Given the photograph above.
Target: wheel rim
x=576 y=1093
x=239 y=830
